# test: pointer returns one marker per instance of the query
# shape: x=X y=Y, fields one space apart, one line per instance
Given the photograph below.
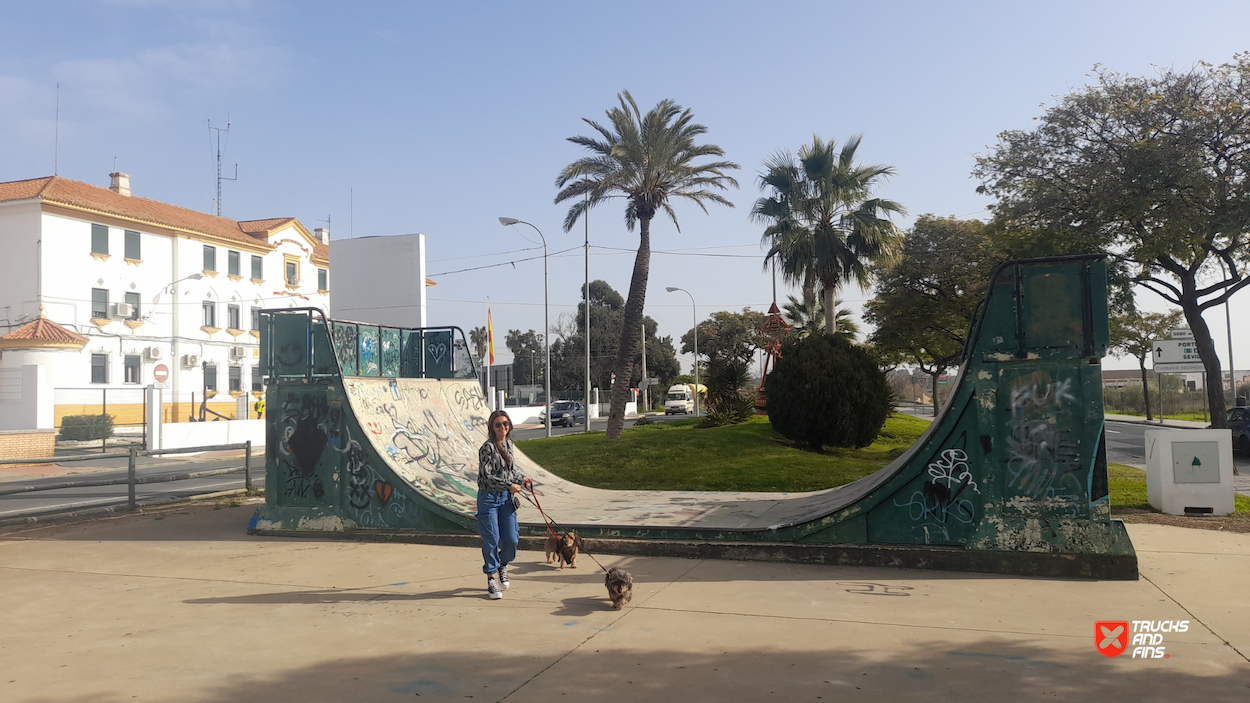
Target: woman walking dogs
x=498 y=483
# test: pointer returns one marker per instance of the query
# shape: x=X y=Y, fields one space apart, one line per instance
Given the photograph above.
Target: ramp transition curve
x=375 y=431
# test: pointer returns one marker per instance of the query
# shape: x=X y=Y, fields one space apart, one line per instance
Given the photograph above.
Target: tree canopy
x=824 y=228
x=1153 y=170
x=926 y=299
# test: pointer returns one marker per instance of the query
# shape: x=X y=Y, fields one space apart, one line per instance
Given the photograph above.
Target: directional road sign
x=1179 y=368
x=1175 y=351
x=1182 y=333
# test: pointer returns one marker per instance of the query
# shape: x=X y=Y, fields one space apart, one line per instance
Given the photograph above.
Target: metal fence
x=127 y=408
x=132 y=480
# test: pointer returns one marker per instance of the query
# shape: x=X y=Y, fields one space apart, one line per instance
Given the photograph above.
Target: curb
x=54 y=518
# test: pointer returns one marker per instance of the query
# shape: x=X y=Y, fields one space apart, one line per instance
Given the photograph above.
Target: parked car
x=1239 y=423
x=566 y=413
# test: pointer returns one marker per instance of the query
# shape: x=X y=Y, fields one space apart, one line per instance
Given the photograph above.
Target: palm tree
x=808 y=316
x=647 y=160
x=477 y=337
x=823 y=225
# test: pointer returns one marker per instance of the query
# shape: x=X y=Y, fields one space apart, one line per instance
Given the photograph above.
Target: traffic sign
x=1179 y=368
x=1182 y=333
x=1175 y=351
x=161 y=373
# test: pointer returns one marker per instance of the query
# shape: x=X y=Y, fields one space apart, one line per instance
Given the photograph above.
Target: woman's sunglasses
x=502 y=423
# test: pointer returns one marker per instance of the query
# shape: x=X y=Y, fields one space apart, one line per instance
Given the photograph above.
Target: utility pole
x=645 y=384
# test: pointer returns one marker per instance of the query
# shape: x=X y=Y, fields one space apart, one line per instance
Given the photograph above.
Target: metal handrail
x=269 y=314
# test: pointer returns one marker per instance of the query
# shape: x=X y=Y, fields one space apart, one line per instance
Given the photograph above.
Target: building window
x=232 y=317
x=99 y=368
x=257 y=385
x=210 y=258
x=210 y=313
x=132 y=245
x=255 y=319
x=132 y=299
x=292 y=272
x=133 y=364
x=232 y=263
x=236 y=379
x=323 y=279
x=210 y=377
x=99 y=303
x=258 y=267
x=99 y=239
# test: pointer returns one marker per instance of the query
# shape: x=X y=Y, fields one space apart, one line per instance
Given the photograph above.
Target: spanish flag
x=490 y=337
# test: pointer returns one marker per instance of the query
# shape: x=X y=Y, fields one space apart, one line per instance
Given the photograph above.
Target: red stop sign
x=160 y=373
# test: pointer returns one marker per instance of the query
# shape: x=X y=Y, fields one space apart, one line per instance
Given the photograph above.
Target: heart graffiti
x=438 y=351
x=383 y=491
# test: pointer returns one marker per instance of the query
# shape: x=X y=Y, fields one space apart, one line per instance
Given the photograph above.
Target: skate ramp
x=376 y=430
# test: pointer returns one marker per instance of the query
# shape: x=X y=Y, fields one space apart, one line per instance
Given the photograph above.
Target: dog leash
x=550 y=523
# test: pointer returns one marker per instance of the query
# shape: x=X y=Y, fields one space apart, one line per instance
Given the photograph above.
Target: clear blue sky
x=444 y=116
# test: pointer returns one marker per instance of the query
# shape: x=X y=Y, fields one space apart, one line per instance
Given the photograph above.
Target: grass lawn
x=749 y=457
x=1128 y=489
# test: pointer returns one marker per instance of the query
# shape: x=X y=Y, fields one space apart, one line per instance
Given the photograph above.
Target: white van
x=679 y=400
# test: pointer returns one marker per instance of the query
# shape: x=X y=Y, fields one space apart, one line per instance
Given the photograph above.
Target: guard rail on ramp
x=373 y=432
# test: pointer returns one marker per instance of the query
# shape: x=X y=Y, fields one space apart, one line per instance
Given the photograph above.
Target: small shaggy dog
x=620 y=587
x=563 y=550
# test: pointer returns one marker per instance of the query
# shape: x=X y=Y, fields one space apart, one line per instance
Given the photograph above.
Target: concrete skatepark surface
x=411 y=420
x=181 y=605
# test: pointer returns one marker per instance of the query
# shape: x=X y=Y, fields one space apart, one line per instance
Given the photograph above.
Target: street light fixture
x=695 y=309
x=506 y=222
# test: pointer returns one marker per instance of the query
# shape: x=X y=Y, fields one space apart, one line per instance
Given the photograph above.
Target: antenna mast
x=219 y=130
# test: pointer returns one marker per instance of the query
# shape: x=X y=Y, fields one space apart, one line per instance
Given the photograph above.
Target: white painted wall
x=380 y=280
x=201 y=434
x=25 y=398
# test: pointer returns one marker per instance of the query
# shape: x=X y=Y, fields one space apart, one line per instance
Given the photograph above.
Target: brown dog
x=568 y=548
x=552 y=548
x=620 y=587
x=563 y=550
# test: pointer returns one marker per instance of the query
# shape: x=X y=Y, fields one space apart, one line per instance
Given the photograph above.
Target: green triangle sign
x=1197 y=461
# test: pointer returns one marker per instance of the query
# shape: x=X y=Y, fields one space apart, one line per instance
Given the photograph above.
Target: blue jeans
x=497 y=524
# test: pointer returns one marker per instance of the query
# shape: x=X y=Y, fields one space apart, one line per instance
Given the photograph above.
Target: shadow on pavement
x=604 y=669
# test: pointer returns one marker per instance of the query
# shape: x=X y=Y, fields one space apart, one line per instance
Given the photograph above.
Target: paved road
x=595 y=425
x=19 y=505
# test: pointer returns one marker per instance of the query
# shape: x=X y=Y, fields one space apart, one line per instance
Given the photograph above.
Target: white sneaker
x=492 y=589
x=503 y=577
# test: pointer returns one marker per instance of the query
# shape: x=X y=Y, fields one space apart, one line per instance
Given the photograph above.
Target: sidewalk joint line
x=1196 y=618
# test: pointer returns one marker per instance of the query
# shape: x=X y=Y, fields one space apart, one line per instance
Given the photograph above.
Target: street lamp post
x=506 y=222
x=1228 y=320
x=586 y=297
x=695 y=309
x=173 y=338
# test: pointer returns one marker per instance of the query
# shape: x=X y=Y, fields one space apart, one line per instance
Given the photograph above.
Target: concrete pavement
x=183 y=605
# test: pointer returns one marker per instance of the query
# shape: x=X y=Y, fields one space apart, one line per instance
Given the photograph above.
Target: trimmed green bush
x=86 y=427
x=826 y=391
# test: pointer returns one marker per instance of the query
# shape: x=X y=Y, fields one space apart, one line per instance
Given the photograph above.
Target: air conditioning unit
x=123 y=310
x=154 y=353
x=190 y=361
x=238 y=352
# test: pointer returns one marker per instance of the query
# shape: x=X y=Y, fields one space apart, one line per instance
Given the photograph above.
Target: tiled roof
x=84 y=196
x=42 y=332
x=261 y=229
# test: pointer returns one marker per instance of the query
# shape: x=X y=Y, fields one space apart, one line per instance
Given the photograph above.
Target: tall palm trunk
x=831 y=294
x=633 y=322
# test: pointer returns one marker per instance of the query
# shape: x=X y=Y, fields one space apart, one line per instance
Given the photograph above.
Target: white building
x=155 y=289
x=381 y=280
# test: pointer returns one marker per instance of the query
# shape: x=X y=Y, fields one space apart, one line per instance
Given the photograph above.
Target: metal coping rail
x=131 y=479
x=329 y=324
